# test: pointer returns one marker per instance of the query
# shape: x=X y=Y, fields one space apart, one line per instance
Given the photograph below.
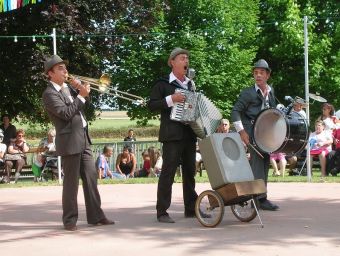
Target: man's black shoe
x=70 y=227
x=191 y=214
x=268 y=206
x=105 y=221
x=165 y=219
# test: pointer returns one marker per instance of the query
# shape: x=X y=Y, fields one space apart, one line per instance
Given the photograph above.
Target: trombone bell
x=103 y=85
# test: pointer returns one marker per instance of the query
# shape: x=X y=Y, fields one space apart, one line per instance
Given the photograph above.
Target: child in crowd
x=145 y=171
x=281 y=158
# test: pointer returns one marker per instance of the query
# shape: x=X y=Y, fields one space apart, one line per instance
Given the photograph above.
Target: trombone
x=102 y=85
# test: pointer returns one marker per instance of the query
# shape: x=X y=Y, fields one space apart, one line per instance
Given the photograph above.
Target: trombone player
x=72 y=143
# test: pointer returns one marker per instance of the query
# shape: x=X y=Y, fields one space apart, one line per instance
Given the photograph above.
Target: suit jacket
x=65 y=115
x=248 y=106
x=169 y=130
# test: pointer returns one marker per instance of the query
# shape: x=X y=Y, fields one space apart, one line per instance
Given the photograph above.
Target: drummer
x=249 y=104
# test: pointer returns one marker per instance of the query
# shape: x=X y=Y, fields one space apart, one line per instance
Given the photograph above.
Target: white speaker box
x=225 y=159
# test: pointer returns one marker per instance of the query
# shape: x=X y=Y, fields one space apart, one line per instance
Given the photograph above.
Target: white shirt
x=321 y=138
x=238 y=124
x=58 y=88
x=302 y=113
x=184 y=85
x=329 y=124
x=3 y=148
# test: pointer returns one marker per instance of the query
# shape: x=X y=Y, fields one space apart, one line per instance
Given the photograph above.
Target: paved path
x=307 y=224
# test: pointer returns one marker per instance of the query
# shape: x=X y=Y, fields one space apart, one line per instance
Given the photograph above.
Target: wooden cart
x=239 y=196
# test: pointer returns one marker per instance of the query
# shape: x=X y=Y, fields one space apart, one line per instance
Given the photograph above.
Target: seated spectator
x=46 y=150
x=281 y=159
x=3 y=149
x=16 y=156
x=156 y=162
x=321 y=144
x=292 y=161
x=8 y=129
x=199 y=160
x=145 y=171
x=126 y=163
x=328 y=117
x=224 y=126
x=333 y=158
x=103 y=167
x=298 y=106
x=130 y=138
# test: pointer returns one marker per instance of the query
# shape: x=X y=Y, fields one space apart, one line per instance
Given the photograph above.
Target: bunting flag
x=9 y=5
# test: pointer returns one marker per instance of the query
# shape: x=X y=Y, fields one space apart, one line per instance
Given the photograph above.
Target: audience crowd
x=324 y=143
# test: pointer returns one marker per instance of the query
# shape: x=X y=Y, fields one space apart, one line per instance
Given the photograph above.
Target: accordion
x=198 y=112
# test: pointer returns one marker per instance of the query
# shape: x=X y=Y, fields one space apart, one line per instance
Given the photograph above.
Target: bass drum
x=276 y=132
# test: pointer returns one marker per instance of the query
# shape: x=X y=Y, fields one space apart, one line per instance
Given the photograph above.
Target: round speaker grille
x=230 y=149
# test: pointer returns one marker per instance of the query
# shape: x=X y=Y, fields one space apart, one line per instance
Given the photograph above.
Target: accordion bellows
x=198 y=112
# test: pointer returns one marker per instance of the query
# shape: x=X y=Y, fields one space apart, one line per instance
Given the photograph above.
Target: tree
x=219 y=35
x=281 y=41
x=21 y=66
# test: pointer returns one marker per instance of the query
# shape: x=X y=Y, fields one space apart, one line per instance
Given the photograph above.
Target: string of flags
x=10 y=5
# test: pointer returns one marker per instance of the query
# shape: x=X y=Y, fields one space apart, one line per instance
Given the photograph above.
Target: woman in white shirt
x=321 y=144
x=328 y=117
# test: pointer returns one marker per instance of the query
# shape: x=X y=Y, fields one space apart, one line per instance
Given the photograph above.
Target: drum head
x=270 y=130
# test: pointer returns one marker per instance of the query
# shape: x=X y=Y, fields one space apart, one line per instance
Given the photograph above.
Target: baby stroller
x=50 y=169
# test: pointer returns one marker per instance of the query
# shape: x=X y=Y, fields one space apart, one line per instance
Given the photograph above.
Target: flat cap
x=261 y=63
x=176 y=52
x=301 y=101
x=52 y=61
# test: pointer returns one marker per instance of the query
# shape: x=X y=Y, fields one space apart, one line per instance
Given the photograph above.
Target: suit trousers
x=260 y=167
x=175 y=153
x=74 y=166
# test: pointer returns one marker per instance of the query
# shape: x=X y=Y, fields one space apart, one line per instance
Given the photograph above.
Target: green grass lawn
x=103 y=124
x=178 y=179
x=101 y=130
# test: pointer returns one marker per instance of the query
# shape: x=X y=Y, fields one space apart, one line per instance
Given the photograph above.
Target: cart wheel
x=209 y=208
x=245 y=211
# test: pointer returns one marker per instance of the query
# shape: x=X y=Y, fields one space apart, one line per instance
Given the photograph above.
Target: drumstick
x=256 y=150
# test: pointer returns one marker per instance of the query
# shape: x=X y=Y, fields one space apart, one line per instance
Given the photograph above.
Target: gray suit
x=73 y=144
x=247 y=107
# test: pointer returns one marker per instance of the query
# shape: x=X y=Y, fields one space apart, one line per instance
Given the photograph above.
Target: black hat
x=52 y=61
x=175 y=52
x=261 y=63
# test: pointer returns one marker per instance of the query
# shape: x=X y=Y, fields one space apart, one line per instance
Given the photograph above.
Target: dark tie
x=265 y=102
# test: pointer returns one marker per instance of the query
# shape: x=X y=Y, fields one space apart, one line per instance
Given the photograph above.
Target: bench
x=26 y=172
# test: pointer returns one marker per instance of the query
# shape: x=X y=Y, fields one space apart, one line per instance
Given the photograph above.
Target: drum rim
x=286 y=139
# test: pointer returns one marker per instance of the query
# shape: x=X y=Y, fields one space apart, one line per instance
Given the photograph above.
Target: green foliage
x=223 y=37
x=220 y=54
x=281 y=42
